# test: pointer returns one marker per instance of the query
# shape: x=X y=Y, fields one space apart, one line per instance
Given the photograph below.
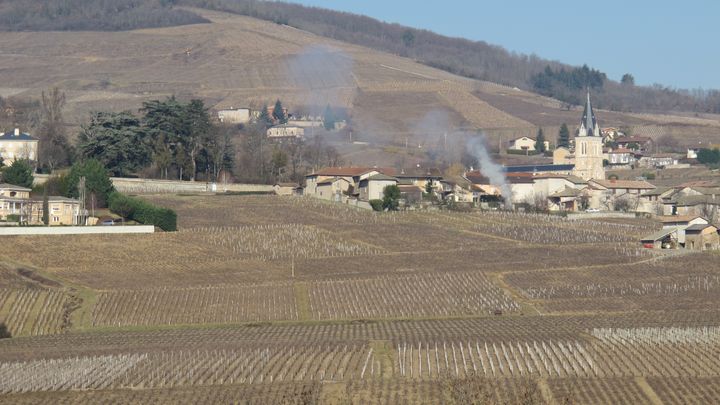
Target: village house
x=693 y=200
x=525 y=143
x=306 y=121
x=332 y=182
x=235 y=116
x=658 y=161
x=610 y=134
x=456 y=189
x=373 y=187
x=333 y=189
x=420 y=177
x=17 y=145
x=482 y=189
x=410 y=195
x=655 y=200
x=16 y=205
x=522 y=188
x=609 y=194
x=702 y=237
x=621 y=157
x=635 y=143
x=285 y=131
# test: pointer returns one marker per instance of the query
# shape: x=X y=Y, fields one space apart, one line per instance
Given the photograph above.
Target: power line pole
x=81 y=195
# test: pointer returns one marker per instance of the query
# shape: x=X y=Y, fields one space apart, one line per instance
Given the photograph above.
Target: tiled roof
x=697 y=227
x=567 y=192
x=343 y=171
x=671 y=219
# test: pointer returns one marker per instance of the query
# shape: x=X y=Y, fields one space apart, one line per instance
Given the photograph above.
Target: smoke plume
x=324 y=76
x=488 y=167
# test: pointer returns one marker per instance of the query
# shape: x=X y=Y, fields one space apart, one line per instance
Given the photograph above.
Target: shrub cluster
x=143 y=212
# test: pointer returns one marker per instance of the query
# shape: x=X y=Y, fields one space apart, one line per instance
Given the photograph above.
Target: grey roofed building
x=21 y=136
x=697 y=227
x=566 y=192
x=379 y=177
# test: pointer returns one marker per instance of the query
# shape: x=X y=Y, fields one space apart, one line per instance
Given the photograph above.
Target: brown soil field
x=292 y=300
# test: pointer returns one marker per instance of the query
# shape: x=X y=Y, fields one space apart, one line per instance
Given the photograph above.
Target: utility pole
x=81 y=195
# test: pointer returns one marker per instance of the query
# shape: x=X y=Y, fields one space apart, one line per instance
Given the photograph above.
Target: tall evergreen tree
x=329 y=118
x=46 y=208
x=563 y=136
x=540 y=141
x=117 y=140
x=265 y=119
x=279 y=113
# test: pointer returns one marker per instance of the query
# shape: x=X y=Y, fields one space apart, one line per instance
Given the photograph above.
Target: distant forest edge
x=472 y=59
x=92 y=15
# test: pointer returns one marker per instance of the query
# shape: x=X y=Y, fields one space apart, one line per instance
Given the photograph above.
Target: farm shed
x=702 y=237
x=287 y=189
x=681 y=222
x=662 y=239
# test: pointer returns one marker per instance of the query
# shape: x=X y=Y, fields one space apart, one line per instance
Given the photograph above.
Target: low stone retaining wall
x=74 y=230
x=153 y=186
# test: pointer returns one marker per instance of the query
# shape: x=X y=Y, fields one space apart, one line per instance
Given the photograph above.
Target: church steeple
x=589 y=125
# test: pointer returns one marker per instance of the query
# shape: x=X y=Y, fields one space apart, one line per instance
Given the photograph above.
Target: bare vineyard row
x=188 y=367
x=411 y=296
x=439 y=295
x=32 y=312
x=703 y=285
x=268 y=242
x=223 y=304
x=615 y=354
x=610 y=357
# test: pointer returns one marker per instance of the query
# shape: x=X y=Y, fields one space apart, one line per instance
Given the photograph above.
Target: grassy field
x=292 y=300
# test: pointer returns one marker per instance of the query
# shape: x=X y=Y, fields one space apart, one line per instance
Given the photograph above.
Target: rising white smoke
x=488 y=167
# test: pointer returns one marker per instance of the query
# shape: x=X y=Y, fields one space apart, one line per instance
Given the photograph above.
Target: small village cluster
x=294 y=129
x=575 y=181
x=16 y=205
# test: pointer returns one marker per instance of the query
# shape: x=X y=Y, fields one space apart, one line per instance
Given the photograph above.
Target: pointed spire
x=589 y=122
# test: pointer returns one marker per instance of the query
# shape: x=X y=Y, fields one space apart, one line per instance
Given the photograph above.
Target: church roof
x=589 y=121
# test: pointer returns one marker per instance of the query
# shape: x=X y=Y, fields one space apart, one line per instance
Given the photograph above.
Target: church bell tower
x=588 y=147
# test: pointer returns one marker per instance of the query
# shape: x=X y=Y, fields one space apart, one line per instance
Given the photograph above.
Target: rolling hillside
x=239 y=61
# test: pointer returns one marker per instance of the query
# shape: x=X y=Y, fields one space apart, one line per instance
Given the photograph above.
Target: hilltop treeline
x=91 y=15
x=473 y=59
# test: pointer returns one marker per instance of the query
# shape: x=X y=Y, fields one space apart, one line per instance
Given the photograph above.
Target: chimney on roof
x=17 y=131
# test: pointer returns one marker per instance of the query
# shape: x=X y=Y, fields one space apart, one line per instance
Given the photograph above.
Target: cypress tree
x=563 y=136
x=540 y=141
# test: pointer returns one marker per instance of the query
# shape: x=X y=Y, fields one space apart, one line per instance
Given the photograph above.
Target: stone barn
x=702 y=237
